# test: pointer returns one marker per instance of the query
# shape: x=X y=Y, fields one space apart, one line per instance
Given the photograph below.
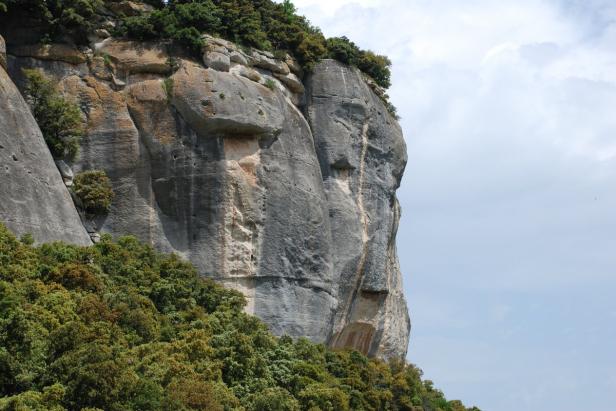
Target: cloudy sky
x=508 y=238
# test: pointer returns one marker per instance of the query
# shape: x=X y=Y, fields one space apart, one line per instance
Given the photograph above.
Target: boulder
x=239 y=58
x=291 y=81
x=269 y=63
x=53 y=52
x=236 y=106
x=136 y=57
x=248 y=73
x=217 y=60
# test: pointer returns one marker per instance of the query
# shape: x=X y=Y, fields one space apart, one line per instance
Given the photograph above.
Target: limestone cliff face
x=33 y=198
x=280 y=188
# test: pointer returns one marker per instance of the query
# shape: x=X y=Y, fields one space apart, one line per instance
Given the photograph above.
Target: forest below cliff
x=118 y=326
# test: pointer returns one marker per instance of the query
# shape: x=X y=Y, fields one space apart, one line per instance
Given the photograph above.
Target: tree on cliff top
x=118 y=326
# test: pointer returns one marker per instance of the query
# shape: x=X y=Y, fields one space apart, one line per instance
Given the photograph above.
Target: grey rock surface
x=296 y=209
x=362 y=156
x=33 y=198
x=217 y=60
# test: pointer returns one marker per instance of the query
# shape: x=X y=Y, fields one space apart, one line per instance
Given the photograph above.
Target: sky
x=508 y=236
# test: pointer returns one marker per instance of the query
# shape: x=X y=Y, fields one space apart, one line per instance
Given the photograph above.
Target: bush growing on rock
x=94 y=190
x=59 y=119
x=118 y=326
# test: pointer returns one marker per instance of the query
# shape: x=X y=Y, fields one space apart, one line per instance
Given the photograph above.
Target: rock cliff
x=281 y=188
x=33 y=198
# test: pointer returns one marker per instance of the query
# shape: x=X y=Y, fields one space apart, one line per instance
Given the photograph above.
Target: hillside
x=118 y=326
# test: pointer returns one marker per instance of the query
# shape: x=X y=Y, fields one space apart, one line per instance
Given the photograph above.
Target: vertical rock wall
x=362 y=156
x=33 y=198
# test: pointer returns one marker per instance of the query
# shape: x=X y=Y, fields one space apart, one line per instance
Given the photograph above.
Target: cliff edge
x=281 y=188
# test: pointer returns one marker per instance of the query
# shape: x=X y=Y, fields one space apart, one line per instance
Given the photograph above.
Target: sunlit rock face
x=33 y=197
x=281 y=188
x=362 y=156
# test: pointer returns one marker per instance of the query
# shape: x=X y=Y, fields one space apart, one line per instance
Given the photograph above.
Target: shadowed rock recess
x=281 y=188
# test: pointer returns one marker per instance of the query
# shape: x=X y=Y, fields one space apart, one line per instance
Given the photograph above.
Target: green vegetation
x=269 y=83
x=117 y=326
x=59 y=119
x=377 y=67
x=56 y=17
x=168 y=87
x=93 y=188
x=262 y=24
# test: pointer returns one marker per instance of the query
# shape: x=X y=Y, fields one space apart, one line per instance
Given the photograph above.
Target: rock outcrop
x=33 y=197
x=280 y=188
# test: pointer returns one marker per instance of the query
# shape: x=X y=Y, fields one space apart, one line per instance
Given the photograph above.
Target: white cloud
x=507 y=237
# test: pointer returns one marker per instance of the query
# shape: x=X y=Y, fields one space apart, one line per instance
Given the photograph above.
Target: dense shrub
x=262 y=24
x=59 y=119
x=94 y=189
x=56 y=18
x=118 y=326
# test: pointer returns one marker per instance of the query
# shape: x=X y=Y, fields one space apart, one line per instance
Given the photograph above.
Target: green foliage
x=376 y=67
x=118 y=326
x=93 y=188
x=168 y=87
x=59 y=119
x=262 y=24
x=56 y=18
x=270 y=84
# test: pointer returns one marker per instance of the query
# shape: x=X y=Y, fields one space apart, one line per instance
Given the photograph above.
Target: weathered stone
x=136 y=57
x=294 y=66
x=362 y=156
x=216 y=41
x=292 y=82
x=247 y=72
x=117 y=83
x=217 y=60
x=238 y=106
x=2 y=53
x=54 y=52
x=101 y=68
x=65 y=171
x=129 y=8
x=269 y=63
x=33 y=198
x=239 y=58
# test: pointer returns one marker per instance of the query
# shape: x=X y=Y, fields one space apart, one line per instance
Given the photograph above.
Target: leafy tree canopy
x=93 y=188
x=118 y=326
